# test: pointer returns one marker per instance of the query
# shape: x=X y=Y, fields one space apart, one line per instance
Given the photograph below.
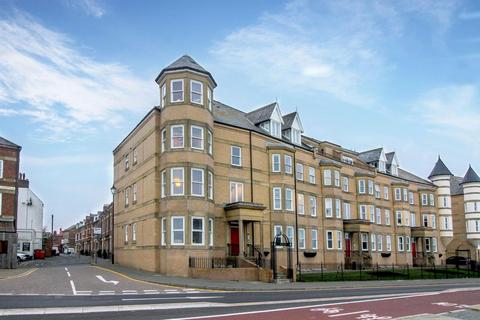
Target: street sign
x=97 y=231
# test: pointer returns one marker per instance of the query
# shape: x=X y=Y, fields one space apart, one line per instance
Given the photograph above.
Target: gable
x=297 y=124
x=277 y=114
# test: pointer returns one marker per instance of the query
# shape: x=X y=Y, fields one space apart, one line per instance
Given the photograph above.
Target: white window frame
x=1 y=196
x=172 y=92
x=202 y=231
x=127 y=198
x=236 y=185
x=126 y=233
x=347 y=213
x=431 y=199
x=277 y=228
x=424 y=199
x=328 y=239
x=1 y=169
x=299 y=170
x=339 y=240
x=388 y=239
x=314 y=239
x=336 y=177
x=134 y=232
x=370 y=187
x=289 y=201
x=135 y=155
x=433 y=220
x=290 y=233
x=328 y=207
x=164 y=232
x=400 y=243
x=173 y=230
x=209 y=98
x=361 y=186
x=210 y=185
x=378 y=215
x=164 y=140
x=277 y=198
x=387 y=217
x=192 y=82
x=362 y=212
x=379 y=242
x=288 y=164
x=172 y=182
x=377 y=191
x=373 y=242
x=209 y=142
x=210 y=232
x=408 y=244
x=411 y=198
x=371 y=212
x=239 y=156
x=201 y=183
x=364 y=239
x=276 y=163
x=311 y=175
x=163 y=191
x=313 y=206
x=134 y=193
x=327 y=177
x=398 y=194
x=172 y=136
x=163 y=95
x=301 y=203
x=201 y=138
x=338 y=209
x=434 y=245
x=386 y=192
x=346 y=184
x=301 y=238
x=398 y=213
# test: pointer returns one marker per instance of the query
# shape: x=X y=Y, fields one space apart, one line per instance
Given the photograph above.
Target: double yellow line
x=23 y=274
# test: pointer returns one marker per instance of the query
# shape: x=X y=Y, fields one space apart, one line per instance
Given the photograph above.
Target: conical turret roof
x=440 y=169
x=470 y=176
x=185 y=62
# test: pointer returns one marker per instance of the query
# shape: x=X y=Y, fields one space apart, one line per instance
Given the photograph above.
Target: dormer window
x=394 y=169
x=382 y=166
x=196 y=92
x=296 y=136
x=176 y=88
x=275 y=129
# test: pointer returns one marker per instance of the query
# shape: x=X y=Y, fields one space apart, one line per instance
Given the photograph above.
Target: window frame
x=192 y=82
x=201 y=183
x=277 y=191
x=328 y=214
x=299 y=173
x=313 y=205
x=276 y=162
x=172 y=91
x=202 y=138
x=172 y=136
x=291 y=202
x=311 y=177
x=289 y=167
x=327 y=177
x=163 y=186
x=301 y=245
x=202 y=231
x=314 y=239
x=163 y=137
x=236 y=184
x=163 y=240
x=301 y=203
x=173 y=230
x=329 y=239
x=210 y=185
x=239 y=156
x=172 y=182
x=210 y=232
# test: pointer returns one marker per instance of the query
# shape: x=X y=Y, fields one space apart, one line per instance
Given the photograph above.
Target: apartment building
x=29 y=218
x=460 y=196
x=9 y=172
x=199 y=178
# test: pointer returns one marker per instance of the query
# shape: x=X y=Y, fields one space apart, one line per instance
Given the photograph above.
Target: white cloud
x=452 y=111
x=43 y=76
x=90 y=7
x=338 y=48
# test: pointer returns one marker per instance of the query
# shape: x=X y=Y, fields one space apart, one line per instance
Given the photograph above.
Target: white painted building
x=29 y=219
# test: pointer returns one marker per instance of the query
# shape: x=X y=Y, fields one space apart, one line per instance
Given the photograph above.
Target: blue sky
x=76 y=76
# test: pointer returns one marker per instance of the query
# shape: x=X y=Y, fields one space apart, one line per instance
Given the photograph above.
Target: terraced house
x=199 y=178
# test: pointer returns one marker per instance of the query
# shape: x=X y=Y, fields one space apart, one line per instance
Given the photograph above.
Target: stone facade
x=198 y=178
x=9 y=174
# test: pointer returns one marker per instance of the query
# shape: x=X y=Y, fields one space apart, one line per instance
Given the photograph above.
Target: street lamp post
x=112 y=229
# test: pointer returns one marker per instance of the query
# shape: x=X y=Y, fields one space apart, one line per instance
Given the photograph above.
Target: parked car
x=21 y=257
x=38 y=254
x=460 y=261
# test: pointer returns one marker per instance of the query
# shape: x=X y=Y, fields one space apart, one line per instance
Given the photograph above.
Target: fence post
x=377 y=271
x=300 y=271
x=393 y=271
x=434 y=272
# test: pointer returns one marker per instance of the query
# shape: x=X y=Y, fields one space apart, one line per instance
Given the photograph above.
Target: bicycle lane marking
x=374 y=309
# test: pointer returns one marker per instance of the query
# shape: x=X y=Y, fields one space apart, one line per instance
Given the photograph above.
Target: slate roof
x=288 y=120
x=440 y=169
x=370 y=155
x=411 y=177
x=6 y=143
x=228 y=115
x=261 y=114
x=470 y=176
x=185 y=62
x=390 y=157
x=456 y=187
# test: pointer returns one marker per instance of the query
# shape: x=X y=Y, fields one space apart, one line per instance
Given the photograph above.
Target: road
x=70 y=288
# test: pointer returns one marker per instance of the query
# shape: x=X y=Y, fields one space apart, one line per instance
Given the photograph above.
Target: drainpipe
x=296 y=206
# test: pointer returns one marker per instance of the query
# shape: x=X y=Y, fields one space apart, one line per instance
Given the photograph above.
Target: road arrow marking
x=111 y=281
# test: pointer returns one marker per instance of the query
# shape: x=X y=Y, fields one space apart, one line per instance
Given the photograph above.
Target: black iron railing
x=213 y=263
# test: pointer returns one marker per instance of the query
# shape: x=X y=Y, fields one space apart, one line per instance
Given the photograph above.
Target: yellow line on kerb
x=24 y=274
x=150 y=282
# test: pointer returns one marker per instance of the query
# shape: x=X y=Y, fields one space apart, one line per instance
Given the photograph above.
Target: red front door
x=414 y=249
x=347 y=247
x=234 y=242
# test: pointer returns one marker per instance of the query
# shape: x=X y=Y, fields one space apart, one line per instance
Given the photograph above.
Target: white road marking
x=191 y=298
x=83 y=293
x=66 y=269
x=117 y=308
x=347 y=314
x=73 y=288
x=106 y=293
x=68 y=274
x=150 y=290
x=170 y=290
x=115 y=282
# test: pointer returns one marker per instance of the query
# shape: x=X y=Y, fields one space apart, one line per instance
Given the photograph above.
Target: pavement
x=69 y=287
x=262 y=286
